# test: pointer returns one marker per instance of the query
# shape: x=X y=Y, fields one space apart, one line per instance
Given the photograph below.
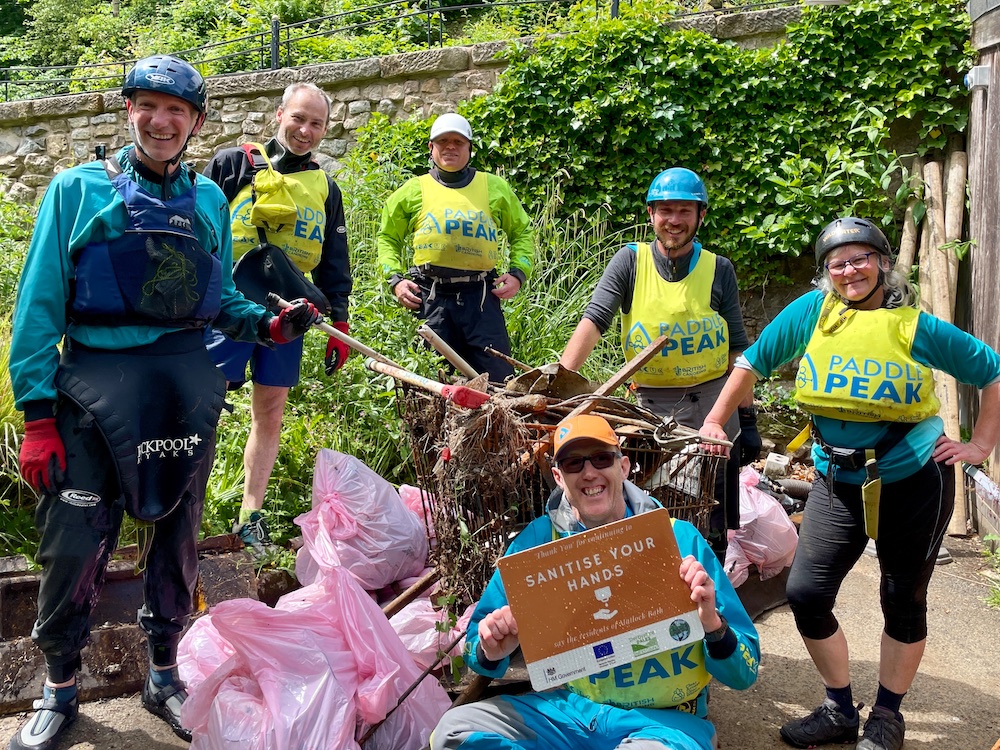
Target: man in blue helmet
x=674 y=286
x=131 y=257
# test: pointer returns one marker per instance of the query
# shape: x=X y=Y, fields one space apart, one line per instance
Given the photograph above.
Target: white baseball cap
x=451 y=123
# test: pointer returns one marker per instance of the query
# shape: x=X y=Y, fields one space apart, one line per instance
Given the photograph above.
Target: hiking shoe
x=166 y=702
x=824 y=726
x=883 y=731
x=43 y=729
x=255 y=536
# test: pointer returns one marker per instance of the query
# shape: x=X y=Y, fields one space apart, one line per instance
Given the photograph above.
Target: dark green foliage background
x=787 y=138
x=604 y=109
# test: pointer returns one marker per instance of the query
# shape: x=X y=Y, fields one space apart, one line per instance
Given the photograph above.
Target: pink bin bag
x=358 y=522
x=310 y=673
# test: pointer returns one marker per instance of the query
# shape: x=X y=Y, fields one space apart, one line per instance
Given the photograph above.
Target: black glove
x=750 y=442
x=293 y=321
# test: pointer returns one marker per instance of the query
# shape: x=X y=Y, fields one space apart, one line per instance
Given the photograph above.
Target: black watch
x=719 y=633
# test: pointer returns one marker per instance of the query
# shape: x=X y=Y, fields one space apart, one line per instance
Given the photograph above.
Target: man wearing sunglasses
x=603 y=710
x=674 y=285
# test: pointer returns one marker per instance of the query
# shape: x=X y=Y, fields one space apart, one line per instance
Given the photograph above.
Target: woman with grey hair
x=885 y=466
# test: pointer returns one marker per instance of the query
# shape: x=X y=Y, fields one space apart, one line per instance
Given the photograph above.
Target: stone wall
x=40 y=137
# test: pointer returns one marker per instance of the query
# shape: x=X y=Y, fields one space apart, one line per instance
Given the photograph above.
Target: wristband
x=719 y=633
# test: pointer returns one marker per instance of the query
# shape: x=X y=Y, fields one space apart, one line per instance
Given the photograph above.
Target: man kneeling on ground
x=603 y=711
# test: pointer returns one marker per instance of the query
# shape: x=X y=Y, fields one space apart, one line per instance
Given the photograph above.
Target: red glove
x=336 y=350
x=43 y=457
x=293 y=321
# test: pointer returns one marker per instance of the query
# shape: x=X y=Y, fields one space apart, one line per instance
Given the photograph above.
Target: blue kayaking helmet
x=677 y=184
x=168 y=75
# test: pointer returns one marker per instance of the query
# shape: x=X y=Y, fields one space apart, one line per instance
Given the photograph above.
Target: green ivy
x=786 y=138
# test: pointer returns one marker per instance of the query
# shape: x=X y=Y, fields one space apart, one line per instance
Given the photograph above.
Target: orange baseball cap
x=580 y=427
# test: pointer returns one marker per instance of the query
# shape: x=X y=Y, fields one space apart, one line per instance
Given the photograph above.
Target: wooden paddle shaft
x=274 y=299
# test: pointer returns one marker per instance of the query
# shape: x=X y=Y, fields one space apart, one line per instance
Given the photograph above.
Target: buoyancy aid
x=858 y=366
x=698 y=349
x=156 y=273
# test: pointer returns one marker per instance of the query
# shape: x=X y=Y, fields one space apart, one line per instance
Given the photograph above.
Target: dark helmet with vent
x=849 y=231
x=168 y=75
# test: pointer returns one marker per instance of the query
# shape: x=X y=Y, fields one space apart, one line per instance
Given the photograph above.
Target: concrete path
x=954 y=703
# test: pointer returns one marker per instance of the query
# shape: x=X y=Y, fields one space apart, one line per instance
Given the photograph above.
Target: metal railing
x=279 y=46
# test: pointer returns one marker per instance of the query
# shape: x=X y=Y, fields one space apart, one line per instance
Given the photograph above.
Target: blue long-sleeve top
x=937 y=344
x=81 y=206
x=733 y=660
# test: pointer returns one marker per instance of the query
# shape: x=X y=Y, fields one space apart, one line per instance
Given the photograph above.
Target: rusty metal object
x=552 y=380
x=624 y=373
x=509 y=360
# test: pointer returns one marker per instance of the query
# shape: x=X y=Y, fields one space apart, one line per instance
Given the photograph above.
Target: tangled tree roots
x=483 y=475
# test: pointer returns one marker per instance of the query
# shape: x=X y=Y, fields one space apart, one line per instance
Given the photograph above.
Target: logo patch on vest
x=167 y=447
x=863 y=380
x=179 y=221
x=79 y=498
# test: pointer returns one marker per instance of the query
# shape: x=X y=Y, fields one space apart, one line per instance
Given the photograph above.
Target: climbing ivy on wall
x=786 y=137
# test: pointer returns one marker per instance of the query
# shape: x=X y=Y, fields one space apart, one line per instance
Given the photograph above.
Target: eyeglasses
x=574 y=464
x=857 y=263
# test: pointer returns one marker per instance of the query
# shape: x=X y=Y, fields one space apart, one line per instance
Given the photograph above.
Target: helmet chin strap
x=878 y=285
x=165 y=180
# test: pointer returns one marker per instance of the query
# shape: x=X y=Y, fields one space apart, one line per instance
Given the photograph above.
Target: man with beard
x=674 y=286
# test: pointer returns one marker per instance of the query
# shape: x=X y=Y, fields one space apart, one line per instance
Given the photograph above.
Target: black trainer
x=883 y=731
x=824 y=726
x=166 y=702
x=43 y=729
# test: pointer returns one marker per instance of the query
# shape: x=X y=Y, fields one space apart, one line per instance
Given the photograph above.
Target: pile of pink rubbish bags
x=324 y=664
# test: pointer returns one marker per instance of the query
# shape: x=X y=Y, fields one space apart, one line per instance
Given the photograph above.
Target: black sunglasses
x=599 y=460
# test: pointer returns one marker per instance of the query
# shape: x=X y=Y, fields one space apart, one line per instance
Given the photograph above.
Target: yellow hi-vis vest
x=857 y=366
x=698 y=349
x=455 y=228
x=301 y=241
x=672 y=679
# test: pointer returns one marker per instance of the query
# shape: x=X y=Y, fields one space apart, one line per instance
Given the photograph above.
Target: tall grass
x=570 y=256
x=17 y=524
x=17 y=528
x=355 y=410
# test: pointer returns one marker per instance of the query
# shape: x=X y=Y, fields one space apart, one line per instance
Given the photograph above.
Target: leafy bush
x=614 y=102
x=16 y=223
x=17 y=528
